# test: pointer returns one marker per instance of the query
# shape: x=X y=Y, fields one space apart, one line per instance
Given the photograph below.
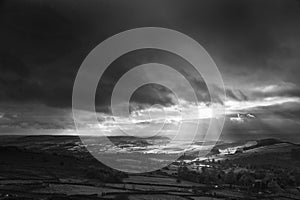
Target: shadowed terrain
x=59 y=167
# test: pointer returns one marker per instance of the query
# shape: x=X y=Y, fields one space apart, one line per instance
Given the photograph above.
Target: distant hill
x=268 y=151
x=264 y=142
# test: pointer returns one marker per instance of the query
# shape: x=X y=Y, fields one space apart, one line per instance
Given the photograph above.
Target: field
x=50 y=167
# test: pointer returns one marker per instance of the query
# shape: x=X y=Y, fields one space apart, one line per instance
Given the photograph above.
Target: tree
x=230 y=178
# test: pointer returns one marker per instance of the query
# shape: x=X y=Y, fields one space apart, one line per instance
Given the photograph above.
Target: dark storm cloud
x=153 y=93
x=250 y=31
x=37 y=33
x=236 y=95
x=252 y=42
x=44 y=42
x=36 y=40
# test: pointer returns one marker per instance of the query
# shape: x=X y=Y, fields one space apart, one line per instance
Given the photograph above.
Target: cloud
x=152 y=93
x=25 y=116
x=283 y=89
x=47 y=44
x=255 y=45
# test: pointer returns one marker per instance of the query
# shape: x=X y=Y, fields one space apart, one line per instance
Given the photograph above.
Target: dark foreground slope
x=28 y=165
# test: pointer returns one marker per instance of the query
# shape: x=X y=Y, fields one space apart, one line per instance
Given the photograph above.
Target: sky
x=254 y=43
